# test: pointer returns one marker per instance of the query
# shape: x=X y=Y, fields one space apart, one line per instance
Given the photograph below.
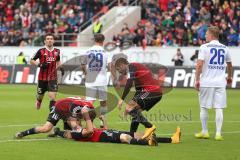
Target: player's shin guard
x=39 y=97
x=134 y=125
x=59 y=133
x=163 y=140
x=66 y=126
x=140 y=118
x=139 y=142
x=29 y=132
x=51 y=103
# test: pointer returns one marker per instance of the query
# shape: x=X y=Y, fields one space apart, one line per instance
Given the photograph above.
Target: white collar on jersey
x=214 y=41
x=49 y=49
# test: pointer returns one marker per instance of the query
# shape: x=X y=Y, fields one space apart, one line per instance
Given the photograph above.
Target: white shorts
x=212 y=97
x=91 y=93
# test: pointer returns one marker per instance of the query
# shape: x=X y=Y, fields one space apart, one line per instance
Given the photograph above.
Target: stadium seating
x=23 y=21
x=183 y=23
x=164 y=22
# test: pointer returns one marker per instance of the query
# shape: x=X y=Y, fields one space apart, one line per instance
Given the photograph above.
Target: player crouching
x=69 y=110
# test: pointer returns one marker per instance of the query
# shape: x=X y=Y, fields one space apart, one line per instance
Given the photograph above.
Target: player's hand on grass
x=197 y=85
x=43 y=65
x=120 y=103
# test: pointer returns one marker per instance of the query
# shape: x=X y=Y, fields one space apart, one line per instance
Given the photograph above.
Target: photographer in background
x=178 y=58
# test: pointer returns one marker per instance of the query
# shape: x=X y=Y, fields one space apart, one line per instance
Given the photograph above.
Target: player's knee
x=44 y=129
x=52 y=95
x=68 y=135
x=128 y=109
x=125 y=138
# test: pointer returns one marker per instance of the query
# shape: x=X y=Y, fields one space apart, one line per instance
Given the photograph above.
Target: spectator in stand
x=232 y=38
x=194 y=57
x=184 y=23
x=21 y=59
x=22 y=21
x=97 y=27
x=178 y=58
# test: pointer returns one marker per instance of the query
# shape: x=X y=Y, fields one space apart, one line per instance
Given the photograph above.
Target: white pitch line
x=25 y=140
x=124 y=122
x=120 y=122
x=18 y=125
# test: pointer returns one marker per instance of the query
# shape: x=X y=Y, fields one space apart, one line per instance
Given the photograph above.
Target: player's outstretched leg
x=126 y=138
x=174 y=139
x=40 y=129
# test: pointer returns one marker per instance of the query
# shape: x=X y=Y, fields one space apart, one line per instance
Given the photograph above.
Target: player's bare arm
x=229 y=73
x=127 y=88
x=112 y=69
x=199 y=67
x=84 y=69
x=33 y=62
x=103 y=119
x=89 y=123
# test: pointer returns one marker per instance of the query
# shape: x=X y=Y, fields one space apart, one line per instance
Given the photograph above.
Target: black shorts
x=146 y=100
x=53 y=117
x=50 y=86
x=112 y=136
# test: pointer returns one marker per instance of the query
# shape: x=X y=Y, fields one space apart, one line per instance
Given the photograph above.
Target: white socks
x=219 y=121
x=204 y=119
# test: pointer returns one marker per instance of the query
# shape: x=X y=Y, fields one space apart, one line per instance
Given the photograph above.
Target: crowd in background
x=23 y=21
x=164 y=22
x=183 y=23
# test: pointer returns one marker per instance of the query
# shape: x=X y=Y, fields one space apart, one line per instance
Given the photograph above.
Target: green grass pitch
x=17 y=113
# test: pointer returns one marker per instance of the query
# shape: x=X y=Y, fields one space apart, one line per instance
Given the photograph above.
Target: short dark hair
x=99 y=38
x=119 y=58
x=121 y=61
x=48 y=34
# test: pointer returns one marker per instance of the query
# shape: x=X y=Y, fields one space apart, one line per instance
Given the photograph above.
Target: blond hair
x=214 y=31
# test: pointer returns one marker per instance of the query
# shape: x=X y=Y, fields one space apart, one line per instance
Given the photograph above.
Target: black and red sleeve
x=37 y=55
x=58 y=56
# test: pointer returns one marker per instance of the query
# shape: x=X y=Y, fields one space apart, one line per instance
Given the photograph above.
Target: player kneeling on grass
x=114 y=136
x=66 y=109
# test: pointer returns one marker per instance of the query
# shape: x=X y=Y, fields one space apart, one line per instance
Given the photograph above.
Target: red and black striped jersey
x=142 y=78
x=95 y=137
x=67 y=106
x=51 y=58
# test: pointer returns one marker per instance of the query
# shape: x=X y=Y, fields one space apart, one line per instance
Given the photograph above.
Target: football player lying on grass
x=114 y=136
